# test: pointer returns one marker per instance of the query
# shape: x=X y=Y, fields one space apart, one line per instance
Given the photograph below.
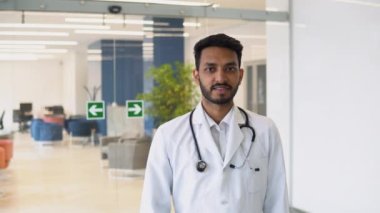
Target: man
x=217 y=158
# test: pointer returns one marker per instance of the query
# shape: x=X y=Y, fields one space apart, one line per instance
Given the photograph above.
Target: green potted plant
x=174 y=92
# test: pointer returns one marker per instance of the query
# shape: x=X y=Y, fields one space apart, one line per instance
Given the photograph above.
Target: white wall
x=94 y=77
x=336 y=107
x=44 y=83
x=38 y=82
x=74 y=80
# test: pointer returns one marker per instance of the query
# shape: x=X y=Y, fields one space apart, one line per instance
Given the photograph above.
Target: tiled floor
x=59 y=178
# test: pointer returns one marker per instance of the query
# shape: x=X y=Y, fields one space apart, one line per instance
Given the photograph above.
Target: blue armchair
x=81 y=127
x=44 y=131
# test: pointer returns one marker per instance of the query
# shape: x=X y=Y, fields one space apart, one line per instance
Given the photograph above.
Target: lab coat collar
x=199 y=117
x=234 y=140
x=204 y=137
x=235 y=137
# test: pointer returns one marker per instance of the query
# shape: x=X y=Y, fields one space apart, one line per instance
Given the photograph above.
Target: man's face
x=219 y=75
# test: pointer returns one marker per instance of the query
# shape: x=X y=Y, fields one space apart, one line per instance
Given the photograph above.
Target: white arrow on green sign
x=95 y=110
x=135 y=108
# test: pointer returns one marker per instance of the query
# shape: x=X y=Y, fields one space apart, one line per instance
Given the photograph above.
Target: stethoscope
x=202 y=165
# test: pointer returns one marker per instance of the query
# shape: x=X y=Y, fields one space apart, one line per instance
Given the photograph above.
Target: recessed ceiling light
x=364 y=3
x=166 y=2
x=33 y=50
x=24 y=57
x=191 y=24
x=110 y=32
x=33 y=33
x=94 y=51
x=25 y=42
x=14 y=46
x=54 y=26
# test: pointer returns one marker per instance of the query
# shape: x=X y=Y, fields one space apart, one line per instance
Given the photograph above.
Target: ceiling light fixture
x=110 y=32
x=33 y=50
x=33 y=33
x=24 y=57
x=94 y=58
x=115 y=21
x=166 y=2
x=108 y=21
x=25 y=42
x=55 y=26
x=151 y=35
x=163 y=29
x=191 y=24
x=364 y=3
x=10 y=46
x=94 y=51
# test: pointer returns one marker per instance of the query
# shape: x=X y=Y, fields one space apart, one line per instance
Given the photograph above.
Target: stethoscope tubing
x=201 y=164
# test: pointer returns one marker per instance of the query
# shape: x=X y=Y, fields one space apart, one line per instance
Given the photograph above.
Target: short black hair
x=217 y=40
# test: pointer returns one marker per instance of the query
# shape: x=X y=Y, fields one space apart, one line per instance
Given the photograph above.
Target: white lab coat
x=171 y=169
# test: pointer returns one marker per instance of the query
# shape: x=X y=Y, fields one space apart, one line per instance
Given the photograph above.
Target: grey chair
x=104 y=142
x=129 y=153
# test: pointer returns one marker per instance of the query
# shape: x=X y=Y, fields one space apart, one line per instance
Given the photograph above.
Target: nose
x=220 y=76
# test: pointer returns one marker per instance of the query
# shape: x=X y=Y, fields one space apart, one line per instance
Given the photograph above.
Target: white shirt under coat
x=171 y=168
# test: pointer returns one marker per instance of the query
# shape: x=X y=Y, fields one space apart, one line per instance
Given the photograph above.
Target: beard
x=221 y=100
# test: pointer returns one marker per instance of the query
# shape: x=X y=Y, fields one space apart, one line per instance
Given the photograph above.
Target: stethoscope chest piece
x=201 y=166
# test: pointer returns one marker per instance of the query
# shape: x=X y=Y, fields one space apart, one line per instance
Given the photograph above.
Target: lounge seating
x=46 y=131
x=81 y=127
x=129 y=153
x=6 y=152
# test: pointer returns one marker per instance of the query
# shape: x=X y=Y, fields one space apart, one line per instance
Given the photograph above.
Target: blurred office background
x=311 y=65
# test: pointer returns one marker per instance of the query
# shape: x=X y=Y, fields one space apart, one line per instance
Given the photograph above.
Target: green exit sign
x=135 y=108
x=95 y=110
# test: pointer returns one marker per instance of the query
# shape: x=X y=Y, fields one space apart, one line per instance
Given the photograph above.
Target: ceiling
x=9 y=20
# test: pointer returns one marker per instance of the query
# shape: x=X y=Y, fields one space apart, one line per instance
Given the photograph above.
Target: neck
x=216 y=111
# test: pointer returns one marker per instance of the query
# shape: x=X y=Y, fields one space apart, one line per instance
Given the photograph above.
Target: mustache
x=221 y=85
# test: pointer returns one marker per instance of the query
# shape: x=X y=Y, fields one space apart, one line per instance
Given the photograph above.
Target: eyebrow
x=228 y=64
x=210 y=64
x=231 y=64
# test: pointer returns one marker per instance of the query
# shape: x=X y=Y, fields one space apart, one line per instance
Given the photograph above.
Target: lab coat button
x=224 y=202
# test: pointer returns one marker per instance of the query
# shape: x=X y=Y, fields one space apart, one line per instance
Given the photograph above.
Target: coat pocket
x=257 y=169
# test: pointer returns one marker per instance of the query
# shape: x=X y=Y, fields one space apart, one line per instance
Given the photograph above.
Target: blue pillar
x=122 y=71
x=168 y=47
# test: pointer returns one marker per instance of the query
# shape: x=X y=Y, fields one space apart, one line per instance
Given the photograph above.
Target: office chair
x=2 y=120
x=25 y=115
x=17 y=118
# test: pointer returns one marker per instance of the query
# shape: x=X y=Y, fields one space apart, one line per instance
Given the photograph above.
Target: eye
x=231 y=68
x=210 y=69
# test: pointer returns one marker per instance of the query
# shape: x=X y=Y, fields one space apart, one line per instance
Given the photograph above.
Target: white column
x=75 y=78
x=279 y=89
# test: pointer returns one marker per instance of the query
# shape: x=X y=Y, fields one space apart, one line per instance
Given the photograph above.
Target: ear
x=241 y=74
x=196 y=76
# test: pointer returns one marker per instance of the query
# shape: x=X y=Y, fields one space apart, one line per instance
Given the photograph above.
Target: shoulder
x=175 y=123
x=260 y=121
x=267 y=134
x=174 y=127
x=170 y=135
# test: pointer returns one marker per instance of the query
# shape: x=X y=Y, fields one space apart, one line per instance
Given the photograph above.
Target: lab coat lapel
x=236 y=136
x=205 y=139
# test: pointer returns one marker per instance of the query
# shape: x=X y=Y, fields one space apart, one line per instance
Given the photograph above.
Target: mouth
x=221 y=87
